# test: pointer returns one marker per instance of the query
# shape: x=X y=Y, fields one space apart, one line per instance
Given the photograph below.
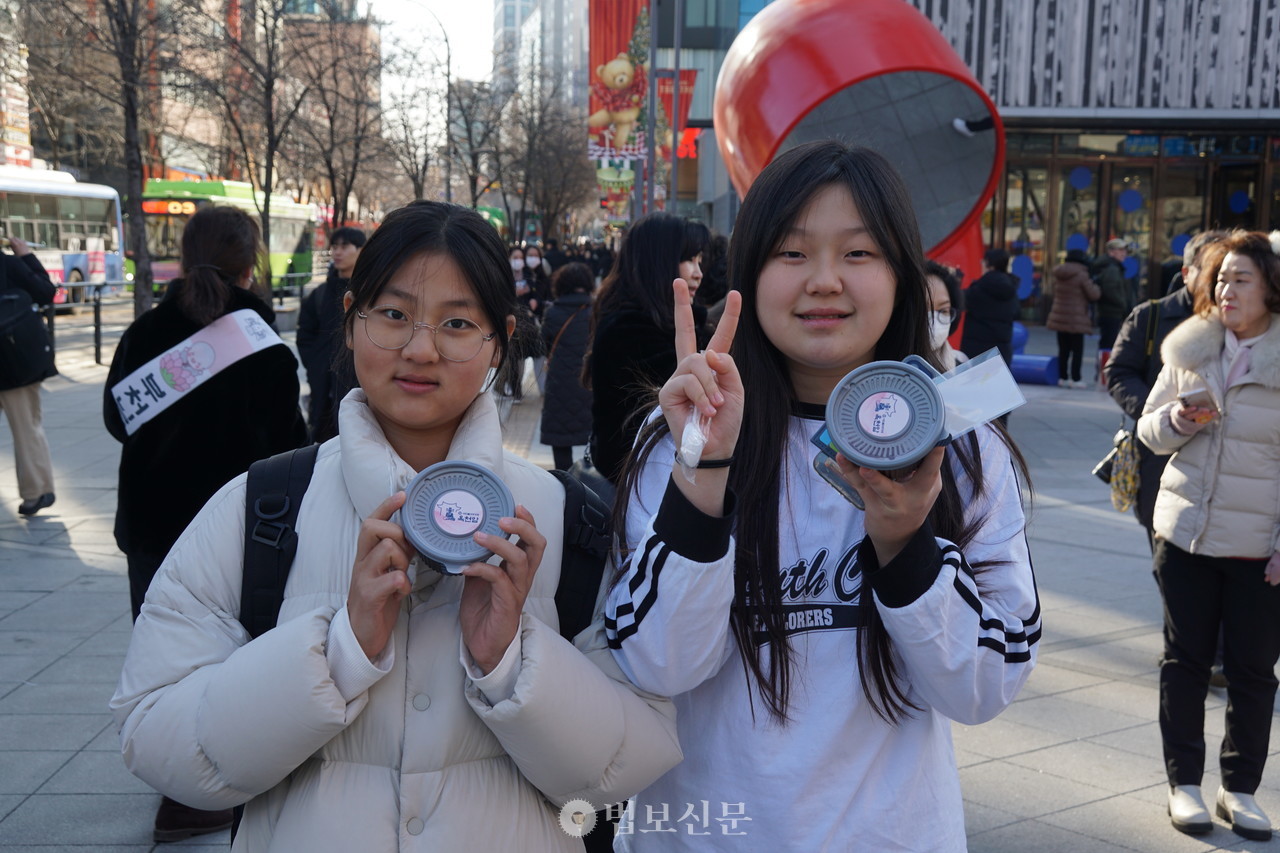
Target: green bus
x=167 y=205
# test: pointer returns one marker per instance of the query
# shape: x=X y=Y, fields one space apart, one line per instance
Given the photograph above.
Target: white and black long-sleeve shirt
x=836 y=776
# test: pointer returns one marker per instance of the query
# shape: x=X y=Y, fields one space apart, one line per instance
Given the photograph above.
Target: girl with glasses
x=392 y=707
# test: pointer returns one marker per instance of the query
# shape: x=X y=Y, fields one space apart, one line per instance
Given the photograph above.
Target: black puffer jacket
x=173 y=464
x=28 y=274
x=991 y=306
x=566 y=411
x=319 y=342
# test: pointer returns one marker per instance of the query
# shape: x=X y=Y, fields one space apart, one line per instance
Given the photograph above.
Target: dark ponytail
x=219 y=245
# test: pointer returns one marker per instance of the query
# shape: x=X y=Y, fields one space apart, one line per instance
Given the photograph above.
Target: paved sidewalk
x=1073 y=765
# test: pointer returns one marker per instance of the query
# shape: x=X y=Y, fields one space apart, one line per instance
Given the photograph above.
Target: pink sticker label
x=884 y=415
x=458 y=513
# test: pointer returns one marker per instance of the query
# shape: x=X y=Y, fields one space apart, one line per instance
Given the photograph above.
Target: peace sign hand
x=705 y=383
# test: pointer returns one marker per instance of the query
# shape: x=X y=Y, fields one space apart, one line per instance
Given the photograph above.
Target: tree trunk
x=137 y=231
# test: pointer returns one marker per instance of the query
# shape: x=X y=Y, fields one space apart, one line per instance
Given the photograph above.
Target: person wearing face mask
x=1073 y=290
x=532 y=293
x=946 y=298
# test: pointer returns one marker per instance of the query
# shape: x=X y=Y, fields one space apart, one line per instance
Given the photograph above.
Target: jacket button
x=415 y=826
x=421 y=702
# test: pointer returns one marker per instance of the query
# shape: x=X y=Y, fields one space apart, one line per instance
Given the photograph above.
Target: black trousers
x=1202 y=594
x=1108 y=329
x=1070 y=349
x=142 y=568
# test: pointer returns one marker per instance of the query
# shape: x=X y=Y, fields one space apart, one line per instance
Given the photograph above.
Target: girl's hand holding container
x=379 y=579
x=895 y=510
x=494 y=596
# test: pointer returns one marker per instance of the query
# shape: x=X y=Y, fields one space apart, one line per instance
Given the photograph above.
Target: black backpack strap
x=587 y=539
x=273 y=494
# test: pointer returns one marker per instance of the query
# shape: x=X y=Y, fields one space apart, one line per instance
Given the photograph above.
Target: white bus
x=78 y=224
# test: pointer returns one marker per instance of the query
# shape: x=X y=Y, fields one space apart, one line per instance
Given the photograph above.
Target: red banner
x=619 y=55
x=688 y=78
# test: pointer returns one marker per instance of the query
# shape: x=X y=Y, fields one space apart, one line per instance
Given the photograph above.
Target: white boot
x=1187 y=810
x=1247 y=819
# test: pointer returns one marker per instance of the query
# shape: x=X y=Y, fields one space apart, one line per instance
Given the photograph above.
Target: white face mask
x=532 y=263
x=939 y=331
x=517 y=264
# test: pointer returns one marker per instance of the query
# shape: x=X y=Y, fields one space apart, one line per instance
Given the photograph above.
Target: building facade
x=1142 y=120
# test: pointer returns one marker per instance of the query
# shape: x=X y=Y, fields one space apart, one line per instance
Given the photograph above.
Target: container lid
x=886 y=415
x=447 y=503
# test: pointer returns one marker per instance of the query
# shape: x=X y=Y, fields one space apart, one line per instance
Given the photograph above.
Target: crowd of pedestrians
x=760 y=642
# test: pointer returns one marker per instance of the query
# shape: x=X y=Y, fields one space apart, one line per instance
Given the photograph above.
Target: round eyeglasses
x=456 y=339
x=947 y=316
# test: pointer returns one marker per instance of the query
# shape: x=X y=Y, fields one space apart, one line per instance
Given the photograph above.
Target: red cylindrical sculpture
x=873 y=72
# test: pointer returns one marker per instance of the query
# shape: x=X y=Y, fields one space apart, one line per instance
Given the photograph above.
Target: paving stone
x=88 y=611
x=23 y=771
x=1040 y=837
x=94 y=773
x=1029 y=793
x=51 y=731
x=40 y=698
x=80 y=819
x=1093 y=764
x=81 y=669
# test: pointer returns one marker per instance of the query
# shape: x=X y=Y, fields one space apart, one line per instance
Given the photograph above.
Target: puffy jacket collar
x=373 y=471
x=1196 y=345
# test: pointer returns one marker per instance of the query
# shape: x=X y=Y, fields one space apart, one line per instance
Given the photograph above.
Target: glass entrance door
x=1235 y=195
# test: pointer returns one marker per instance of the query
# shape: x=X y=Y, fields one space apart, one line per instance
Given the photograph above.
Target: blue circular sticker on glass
x=1024 y=270
x=1130 y=267
x=1130 y=200
x=1239 y=201
x=1078 y=241
x=1081 y=178
x=1179 y=243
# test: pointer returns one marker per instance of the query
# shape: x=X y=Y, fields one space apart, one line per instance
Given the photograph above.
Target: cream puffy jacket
x=420 y=761
x=1220 y=494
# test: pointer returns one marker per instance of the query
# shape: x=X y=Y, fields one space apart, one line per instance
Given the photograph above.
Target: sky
x=469 y=24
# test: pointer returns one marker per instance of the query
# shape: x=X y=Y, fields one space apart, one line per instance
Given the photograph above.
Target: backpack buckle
x=270 y=533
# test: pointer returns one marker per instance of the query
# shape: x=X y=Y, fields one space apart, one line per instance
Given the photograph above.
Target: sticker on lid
x=884 y=415
x=458 y=513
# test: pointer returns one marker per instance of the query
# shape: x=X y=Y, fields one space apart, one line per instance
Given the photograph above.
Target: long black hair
x=771 y=208
x=648 y=261
x=219 y=245
x=646 y=264
x=433 y=227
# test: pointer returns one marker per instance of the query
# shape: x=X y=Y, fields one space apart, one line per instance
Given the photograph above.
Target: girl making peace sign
x=816 y=652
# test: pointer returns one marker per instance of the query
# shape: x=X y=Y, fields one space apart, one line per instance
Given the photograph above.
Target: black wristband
x=708 y=463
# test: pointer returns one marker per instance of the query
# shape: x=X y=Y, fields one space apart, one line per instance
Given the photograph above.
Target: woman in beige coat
x=1215 y=408
x=1073 y=290
x=393 y=708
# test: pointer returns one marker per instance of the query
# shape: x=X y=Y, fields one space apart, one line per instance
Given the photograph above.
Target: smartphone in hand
x=1201 y=401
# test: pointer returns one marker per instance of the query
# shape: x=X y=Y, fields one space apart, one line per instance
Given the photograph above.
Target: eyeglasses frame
x=484 y=339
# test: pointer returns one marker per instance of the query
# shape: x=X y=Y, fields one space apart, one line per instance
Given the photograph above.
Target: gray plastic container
x=447 y=503
x=887 y=415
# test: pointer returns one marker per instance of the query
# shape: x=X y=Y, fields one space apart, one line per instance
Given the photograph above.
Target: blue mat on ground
x=1035 y=369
